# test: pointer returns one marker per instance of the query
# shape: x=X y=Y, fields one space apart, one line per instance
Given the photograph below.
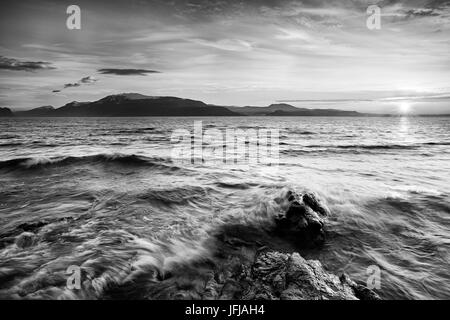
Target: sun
x=404 y=107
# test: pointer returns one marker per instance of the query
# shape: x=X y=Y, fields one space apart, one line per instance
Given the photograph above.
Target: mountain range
x=130 y=105
x=137 y=105
x=283 y=110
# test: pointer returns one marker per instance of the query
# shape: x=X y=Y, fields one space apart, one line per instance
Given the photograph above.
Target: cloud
x=226 y=44
x=82 y=81
x=16 y=65
x=293 y=35
x=71 y=85
x=89 y=79
x=126 y=72
x=422 y=13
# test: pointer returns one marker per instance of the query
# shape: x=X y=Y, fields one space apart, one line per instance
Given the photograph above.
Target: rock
x=312 y=282
x=230 y=289
x=317 y=205
x=301 y=219
x=25 y=240
x=364 y=293
x=272 y=275
x=211 y=289
x=185 y=295
x=361 y=291
x=277 y=275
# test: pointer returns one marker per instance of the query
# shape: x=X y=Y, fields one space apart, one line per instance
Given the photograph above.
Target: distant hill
x=36 y=112
x=264 y=111
x=286 y=110
x=317 y=113
x=6 y=112
x=132 y=105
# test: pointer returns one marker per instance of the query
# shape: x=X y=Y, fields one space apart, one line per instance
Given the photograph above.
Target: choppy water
x=104 y=194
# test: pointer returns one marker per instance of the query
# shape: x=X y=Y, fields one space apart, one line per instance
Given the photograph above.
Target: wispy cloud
x=16 y=65
x=79 y=83
x=225 y=44
x=88 y=79
x=127 y=72
x=71 y=85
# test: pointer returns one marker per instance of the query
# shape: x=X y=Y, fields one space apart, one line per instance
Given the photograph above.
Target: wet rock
x=185 y=295
x=315 y=203
x=230 y=290
x=25 y=240
x=267 y=277
x=361 y=291
x=212 y=288
x=364 y=293
x=301 y=218
x=277 y=275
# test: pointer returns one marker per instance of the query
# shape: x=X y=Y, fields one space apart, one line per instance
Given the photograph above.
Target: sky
x=317 y=54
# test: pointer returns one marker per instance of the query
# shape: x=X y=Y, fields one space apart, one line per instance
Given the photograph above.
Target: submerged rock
x=25 y=240
x=303 y=218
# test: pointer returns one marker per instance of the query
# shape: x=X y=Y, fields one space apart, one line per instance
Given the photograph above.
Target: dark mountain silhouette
x=317 y=112
x=6 y=112
x=132 y=105
x=286 y=110
x=263 y=111
x=39 y=112
x=138 y=105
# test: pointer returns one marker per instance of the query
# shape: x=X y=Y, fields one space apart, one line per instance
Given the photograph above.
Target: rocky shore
x=244 y=262
x=275 y=275
x=247 y=266
x=278 y=276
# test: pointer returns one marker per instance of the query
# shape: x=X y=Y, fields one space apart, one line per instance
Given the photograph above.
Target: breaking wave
x=119 y=159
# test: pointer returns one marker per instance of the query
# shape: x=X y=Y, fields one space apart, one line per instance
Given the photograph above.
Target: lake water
x=105 y=194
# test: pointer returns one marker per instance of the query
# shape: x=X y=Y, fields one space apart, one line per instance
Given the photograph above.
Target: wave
x=8 y=136
x=179 y=196
x=136 y=131
x=239 y=186
x=10 y=144
x=378 y=146
x=358 y=148
x=365 y=146
x=119 y=159
x=302 y=132
x=324 y=150
x=437 y=143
